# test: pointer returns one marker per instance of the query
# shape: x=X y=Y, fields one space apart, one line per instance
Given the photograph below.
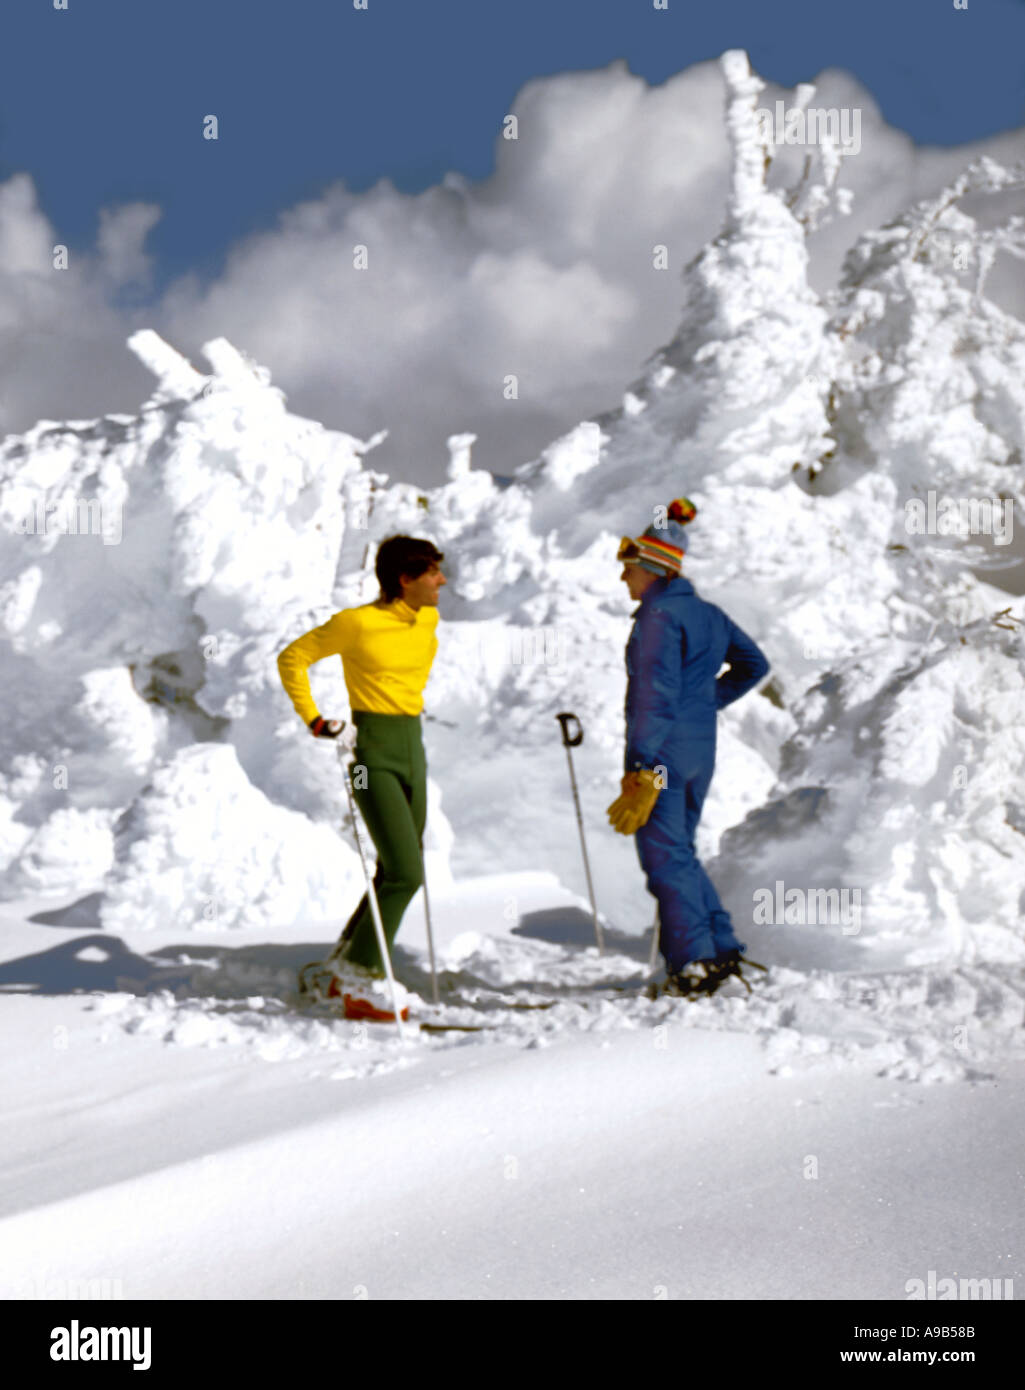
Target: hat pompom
x=682 y=510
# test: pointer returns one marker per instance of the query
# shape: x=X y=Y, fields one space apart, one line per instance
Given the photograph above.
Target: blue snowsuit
x=677 y=645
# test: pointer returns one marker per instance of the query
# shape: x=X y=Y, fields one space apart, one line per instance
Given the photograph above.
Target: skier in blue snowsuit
x=677 y=646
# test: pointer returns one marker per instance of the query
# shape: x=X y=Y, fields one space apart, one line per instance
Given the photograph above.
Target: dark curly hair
x=398 y=556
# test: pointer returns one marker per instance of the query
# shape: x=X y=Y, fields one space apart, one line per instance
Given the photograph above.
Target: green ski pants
x=389 y=782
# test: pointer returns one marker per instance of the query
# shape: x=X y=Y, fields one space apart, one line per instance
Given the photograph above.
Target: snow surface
x=166 y=820
x=183 y=1128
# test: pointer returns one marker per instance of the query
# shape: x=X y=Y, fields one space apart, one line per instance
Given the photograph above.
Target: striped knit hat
x=662 y=547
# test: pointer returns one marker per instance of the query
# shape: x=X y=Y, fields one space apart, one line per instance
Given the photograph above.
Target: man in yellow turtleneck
x=387 y=648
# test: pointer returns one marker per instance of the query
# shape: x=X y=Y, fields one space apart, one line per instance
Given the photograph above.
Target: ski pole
x=427 y=920
x=654 y=944
x=572 y=741
x=375 y=911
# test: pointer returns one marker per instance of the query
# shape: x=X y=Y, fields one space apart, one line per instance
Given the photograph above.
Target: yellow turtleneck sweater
x=386 y=648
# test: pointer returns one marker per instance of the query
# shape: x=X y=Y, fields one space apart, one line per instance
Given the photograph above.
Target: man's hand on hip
x=334 y=728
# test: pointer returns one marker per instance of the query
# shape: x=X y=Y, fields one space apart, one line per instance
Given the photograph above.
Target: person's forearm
x=742 y=676
x=298 y=656
x=292 y=668
x=748 y=665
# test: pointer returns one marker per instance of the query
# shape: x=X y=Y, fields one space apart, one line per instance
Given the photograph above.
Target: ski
x=455 y=1027
x=310 y=992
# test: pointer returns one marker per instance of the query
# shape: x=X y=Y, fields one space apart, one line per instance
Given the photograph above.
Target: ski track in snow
x=923 y=1025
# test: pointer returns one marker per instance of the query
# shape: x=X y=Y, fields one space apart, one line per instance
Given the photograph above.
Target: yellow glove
x=634 y=806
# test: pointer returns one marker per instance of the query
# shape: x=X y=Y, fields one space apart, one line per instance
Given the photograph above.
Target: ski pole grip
x=570 y=740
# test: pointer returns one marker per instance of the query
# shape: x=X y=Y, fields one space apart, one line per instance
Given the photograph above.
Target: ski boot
x=704 y=977
x=365 y=997
x=694 y=978
x=726 y=966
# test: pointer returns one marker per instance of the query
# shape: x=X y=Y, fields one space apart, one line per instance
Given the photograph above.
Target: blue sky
x=103 y=103
x=535 y=260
